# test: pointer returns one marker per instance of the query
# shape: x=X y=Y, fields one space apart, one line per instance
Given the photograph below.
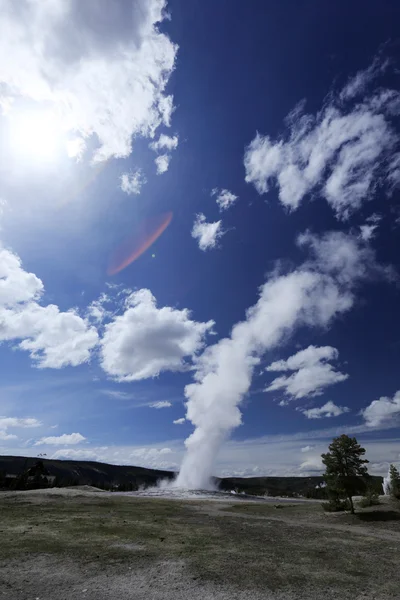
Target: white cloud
x=54 y=339
x=17 y=423
x=76 y=454
x=104 y=76
x=151 y=452
x=162 y=163
x=383 y=410
x=224 y=198
x=327 y=410
x=338 y=153
x=312 y=295
x=207 y=234
x=394 y=171
x=132 y=183
x=357 y=84
x=179 y=421
x=145 y=340
x=374 y=218
x=67 y=439
x=313 y=373
x=367 y=231
x=4 y=436
x=96 y=310
x=344 y=257
x=312 y=465
x=150 y=457
x=160 y=404
x=273 y=455
x=6 y=422
x=165 y=142
x=16 y=285
x=155 y=458
x=307 y=448
x=117 y=394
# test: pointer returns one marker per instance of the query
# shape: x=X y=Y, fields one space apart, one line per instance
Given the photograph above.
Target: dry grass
x=294 y=551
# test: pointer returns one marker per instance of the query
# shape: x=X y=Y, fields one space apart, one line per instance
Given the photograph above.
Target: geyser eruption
x=312 y=295
x=387 y=488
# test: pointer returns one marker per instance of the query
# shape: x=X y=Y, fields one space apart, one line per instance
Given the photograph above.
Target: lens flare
x=134 y=246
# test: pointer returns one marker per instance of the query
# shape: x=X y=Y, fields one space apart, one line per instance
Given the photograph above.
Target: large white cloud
x=145 y=340
x=53 y=338
x=338 y=153
x=312 y=295
x=67 y=439
x=102 y=66
x=330 y=409
x=382 y=410
x=312 y=372
x=206 y=234
x=16 y=285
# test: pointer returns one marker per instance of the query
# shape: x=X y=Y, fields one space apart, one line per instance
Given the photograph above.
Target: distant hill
x=76 y=472
x=103 y=475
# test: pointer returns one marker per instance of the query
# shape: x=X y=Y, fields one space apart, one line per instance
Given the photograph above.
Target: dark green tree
x=394 y=477
x=345 y=466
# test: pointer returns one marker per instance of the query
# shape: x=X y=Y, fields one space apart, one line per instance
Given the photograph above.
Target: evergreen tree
x=394 y=476
x=344 y=466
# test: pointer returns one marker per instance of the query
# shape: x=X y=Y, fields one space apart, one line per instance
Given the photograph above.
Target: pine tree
x=394 y=476
x=344 y=466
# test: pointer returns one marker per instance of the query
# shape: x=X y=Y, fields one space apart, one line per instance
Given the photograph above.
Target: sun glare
x=36 y=135
x=40 y=136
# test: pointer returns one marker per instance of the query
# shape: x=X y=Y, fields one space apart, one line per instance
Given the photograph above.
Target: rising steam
x=311 y=295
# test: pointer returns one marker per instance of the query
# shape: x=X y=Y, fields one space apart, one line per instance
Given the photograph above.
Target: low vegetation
x=101 y=543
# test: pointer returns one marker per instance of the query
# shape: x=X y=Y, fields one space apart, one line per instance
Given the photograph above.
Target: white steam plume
x=387 y=486
x=312 y=295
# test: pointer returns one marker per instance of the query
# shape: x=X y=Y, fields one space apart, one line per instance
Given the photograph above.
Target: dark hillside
x=103 y=475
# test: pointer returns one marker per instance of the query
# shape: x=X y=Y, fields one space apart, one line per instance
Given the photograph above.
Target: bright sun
x=36 y=135
x=40 y=137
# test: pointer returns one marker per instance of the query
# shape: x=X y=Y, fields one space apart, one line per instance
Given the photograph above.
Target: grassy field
x=101 y=546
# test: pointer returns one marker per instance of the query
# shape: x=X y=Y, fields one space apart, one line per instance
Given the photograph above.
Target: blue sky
x=264 y=318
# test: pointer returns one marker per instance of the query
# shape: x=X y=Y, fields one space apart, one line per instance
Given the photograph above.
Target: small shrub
x=336 y=505
x=369 y=500
x=370 y=496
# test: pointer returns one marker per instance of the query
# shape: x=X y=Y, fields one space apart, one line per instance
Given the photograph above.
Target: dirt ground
x=94 y=546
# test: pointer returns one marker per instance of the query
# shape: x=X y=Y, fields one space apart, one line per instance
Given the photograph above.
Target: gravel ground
x=77 y=543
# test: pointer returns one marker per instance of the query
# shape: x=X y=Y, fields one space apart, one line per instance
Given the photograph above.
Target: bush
x=370 y=499
x=336 y=505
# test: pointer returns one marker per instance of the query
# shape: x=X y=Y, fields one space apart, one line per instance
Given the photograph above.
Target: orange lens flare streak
x=135 y=246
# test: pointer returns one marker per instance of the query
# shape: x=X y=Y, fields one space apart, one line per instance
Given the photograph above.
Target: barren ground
x=95 y=546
